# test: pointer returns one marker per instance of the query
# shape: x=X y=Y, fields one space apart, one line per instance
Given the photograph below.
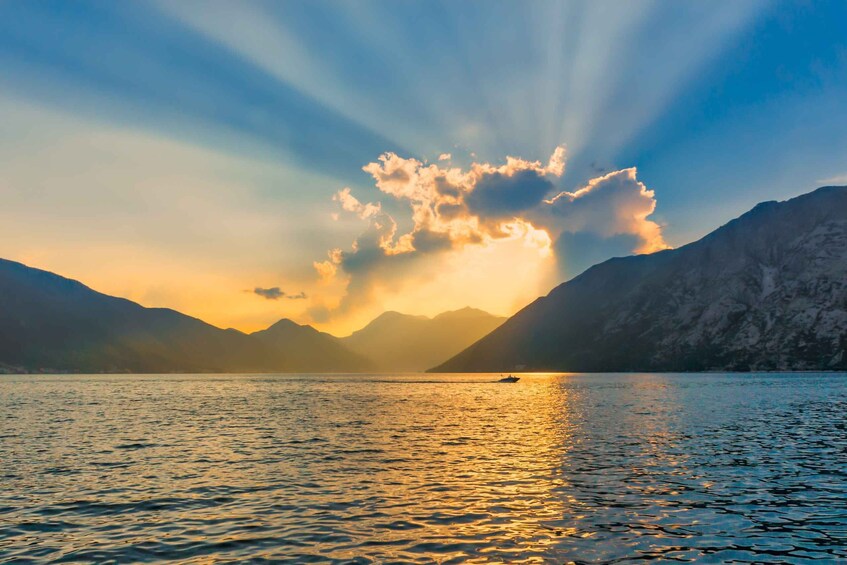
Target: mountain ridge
x=410 y=343
x=755 y=279
x=57 y=322
x=51 y=323
x=306 y=346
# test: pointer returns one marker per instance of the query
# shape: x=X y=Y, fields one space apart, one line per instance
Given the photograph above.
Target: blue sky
x=183 y=153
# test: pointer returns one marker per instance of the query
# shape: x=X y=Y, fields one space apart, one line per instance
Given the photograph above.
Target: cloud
x=611 y=205
x=452 y=209
x=350 y=203
x=501 y=195
x=445 y=157
x=837 y=180
x=274 y=293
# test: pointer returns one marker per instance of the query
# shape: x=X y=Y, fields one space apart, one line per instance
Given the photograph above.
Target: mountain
x=400 y=342
x=50 y=323
x=767 y=291
x=310 y=350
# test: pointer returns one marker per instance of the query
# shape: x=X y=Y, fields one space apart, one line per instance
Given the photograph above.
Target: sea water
x=423 y=468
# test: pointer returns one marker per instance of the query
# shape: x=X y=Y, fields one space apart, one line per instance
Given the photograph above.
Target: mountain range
x=400 y=342
x=51 y=323
x=767 y=291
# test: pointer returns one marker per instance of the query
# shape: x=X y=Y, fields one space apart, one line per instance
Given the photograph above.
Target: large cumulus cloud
x=452 y=208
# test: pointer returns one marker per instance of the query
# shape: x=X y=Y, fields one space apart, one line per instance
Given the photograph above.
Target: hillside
x=767 y=291
x=50 y=323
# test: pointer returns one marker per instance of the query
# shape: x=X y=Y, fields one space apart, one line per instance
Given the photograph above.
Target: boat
x=509 y=379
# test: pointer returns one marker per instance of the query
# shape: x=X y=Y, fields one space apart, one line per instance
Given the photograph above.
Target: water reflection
x=556 y=468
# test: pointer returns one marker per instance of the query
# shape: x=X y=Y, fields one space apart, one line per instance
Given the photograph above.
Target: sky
x=326 y=161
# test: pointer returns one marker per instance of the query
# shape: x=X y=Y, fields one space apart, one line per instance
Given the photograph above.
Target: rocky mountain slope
x=767 y=291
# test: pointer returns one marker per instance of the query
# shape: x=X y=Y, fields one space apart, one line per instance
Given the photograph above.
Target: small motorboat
x=509 y=379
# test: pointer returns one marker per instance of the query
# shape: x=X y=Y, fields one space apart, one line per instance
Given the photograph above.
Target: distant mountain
x=311 y=350
x=48 y=322
x=400 y=342
x=767 y=291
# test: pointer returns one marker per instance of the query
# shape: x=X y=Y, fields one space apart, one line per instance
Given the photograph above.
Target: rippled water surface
x=425 y=468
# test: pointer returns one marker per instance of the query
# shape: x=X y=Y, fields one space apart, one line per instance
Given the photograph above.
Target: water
x=429 y=468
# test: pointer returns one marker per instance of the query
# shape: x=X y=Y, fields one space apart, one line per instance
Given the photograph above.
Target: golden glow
x=146 y=218
x=173 y=225
x=500 y=277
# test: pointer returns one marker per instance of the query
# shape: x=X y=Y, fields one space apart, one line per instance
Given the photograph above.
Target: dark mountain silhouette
x=51 y=323
x=400 y=342
x=767 y=291
x=48 y=322
x=313 y=351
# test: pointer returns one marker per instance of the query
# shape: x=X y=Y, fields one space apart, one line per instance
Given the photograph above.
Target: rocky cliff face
x=768 y=291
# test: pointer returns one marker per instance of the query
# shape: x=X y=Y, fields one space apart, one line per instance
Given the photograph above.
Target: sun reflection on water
x=555 y=468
